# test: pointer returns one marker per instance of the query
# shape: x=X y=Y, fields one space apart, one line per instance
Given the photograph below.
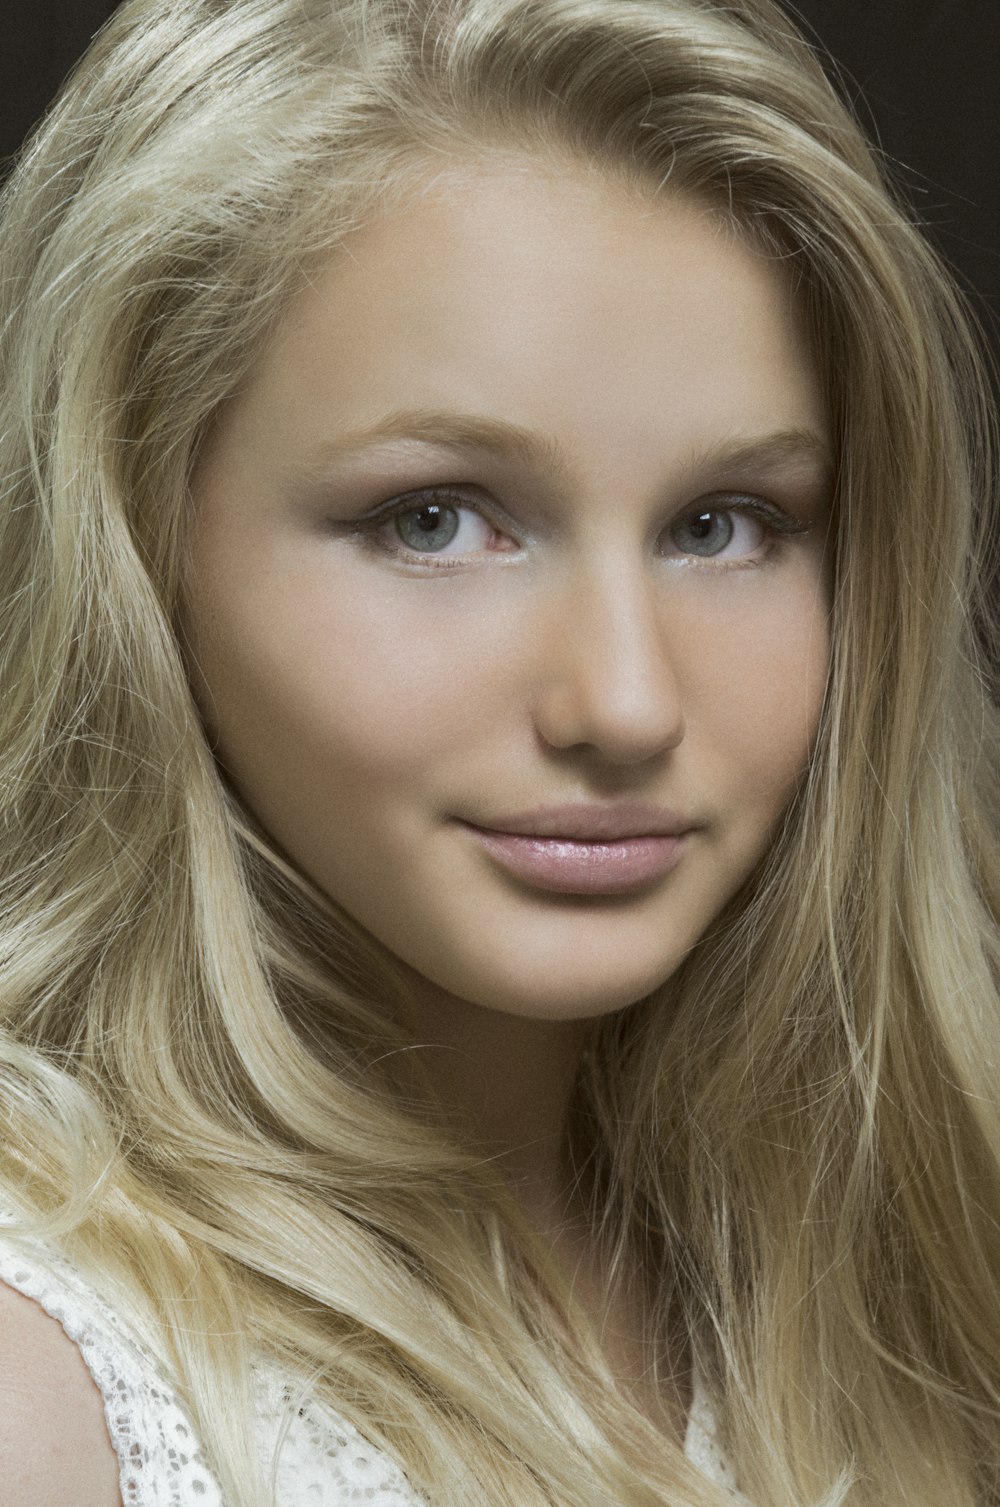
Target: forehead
x=558 y=300
x=513 y=228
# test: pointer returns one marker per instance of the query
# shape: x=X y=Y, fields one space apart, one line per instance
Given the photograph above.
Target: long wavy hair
x=199 y=1053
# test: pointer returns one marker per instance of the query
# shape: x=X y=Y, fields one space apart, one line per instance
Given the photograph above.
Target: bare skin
x=570 y=638
x=533 y=1066
x=55 y=1450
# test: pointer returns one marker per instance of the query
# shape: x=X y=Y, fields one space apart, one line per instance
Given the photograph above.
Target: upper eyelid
x=471 y=495
x=421 y=496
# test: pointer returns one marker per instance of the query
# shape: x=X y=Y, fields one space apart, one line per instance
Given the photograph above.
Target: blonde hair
x=199 y=1054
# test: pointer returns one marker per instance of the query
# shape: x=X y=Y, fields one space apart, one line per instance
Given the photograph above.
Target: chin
x=586 y=1000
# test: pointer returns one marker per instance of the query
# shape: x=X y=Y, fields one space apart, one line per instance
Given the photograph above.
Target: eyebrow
x=466 y=432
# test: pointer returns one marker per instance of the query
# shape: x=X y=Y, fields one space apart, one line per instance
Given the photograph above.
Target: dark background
x=923 y=74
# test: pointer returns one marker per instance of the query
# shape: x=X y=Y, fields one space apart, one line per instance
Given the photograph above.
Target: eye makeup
x=420 y=525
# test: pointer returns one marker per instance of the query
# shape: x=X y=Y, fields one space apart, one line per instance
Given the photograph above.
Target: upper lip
x=591 y=822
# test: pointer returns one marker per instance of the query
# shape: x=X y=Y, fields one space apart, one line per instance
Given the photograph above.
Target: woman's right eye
x=436 y=526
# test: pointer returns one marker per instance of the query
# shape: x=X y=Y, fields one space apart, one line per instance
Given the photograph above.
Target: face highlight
x=522 y=507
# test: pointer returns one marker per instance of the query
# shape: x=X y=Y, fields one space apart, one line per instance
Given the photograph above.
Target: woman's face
x=522 y=508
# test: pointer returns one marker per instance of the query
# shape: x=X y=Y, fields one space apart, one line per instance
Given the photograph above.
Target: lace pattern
x=160 y=1461
x=323 y=1460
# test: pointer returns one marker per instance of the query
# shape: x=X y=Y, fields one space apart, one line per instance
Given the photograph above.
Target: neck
x=508 y=1079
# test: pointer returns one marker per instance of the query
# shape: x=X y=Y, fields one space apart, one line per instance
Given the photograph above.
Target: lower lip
x=582 y=868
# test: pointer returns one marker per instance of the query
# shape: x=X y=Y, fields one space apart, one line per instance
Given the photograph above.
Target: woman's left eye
x=732 y=529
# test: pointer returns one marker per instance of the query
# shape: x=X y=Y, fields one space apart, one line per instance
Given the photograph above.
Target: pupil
x=711 y=528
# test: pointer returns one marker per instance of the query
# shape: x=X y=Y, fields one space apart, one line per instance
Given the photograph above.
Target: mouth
x=573 y=865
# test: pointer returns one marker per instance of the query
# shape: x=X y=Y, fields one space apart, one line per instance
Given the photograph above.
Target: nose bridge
x=607 y=678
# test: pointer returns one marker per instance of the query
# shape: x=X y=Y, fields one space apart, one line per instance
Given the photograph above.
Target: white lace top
x=323 y=1461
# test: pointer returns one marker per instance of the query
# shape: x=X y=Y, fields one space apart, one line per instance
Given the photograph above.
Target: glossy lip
x=586 y=850
x=587 y=822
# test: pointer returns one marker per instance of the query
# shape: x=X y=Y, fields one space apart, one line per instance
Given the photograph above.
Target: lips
x=590 y=823
x=586 y=850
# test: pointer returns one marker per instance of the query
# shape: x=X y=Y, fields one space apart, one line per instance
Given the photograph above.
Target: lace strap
x=701 y=1439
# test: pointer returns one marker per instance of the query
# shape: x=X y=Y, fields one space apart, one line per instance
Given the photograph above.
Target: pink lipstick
x=586 y=850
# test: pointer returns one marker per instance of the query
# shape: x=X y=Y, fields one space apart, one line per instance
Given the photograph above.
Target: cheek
x=329 y=686
x=757 y=692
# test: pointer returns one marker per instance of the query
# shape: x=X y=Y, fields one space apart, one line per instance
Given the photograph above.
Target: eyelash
x=779 y=525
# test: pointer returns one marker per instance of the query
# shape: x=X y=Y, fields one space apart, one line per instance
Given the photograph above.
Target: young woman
x=501 y=850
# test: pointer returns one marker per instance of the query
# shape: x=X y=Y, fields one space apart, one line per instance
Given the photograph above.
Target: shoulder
x=83 y=1392
x=86 y=1399
x=54 y=1444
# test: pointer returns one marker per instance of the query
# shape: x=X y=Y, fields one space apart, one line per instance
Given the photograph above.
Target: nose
x=607 y=680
